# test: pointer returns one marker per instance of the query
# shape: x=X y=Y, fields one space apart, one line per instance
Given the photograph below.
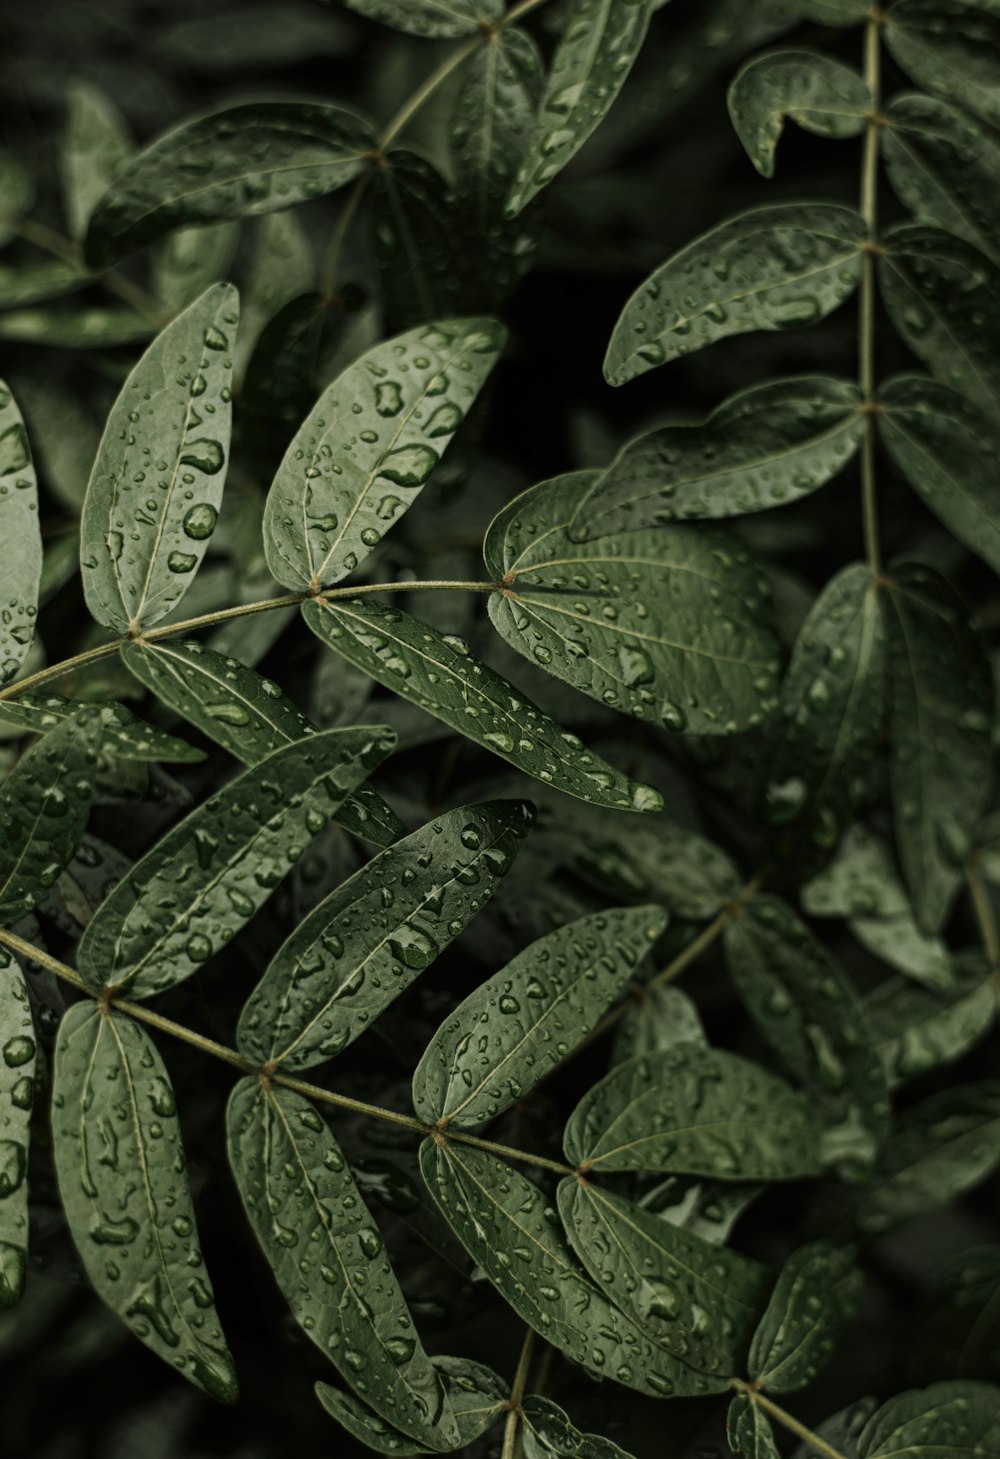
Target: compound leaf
x=21 y=538
x=816 y=1291
x=819 y=93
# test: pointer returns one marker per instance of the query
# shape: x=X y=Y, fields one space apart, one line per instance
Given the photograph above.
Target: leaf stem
x=515 y=1413
x=983 y=909
x=787 y=1420
x=866 y=372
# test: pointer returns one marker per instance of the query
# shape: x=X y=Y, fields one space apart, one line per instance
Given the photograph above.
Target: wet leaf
x=21 y=537
x=699 y=1302
x=815 y=91
x=523 y=1020
x=476 y=1393
x=17 y=1093
x=671 y=627
x=124 y=1188
x=548 y=1434
x=189 y=260
x=493 y=115
x=369 y=443
x=156 y=487
x=748 y=1430
x=431 y=18
x=436 y=672
x=211 y=873
x=44 y=804
x=123 y=736
x=920 y=1028
x=235 y=163
x=841 y=1431
x=365 y=943
x=329 y=1259
x=943 y=1421
x=816 y=1292
x=697 y=1111
x=951 y=47
x=771 y=268
x=96 y=147
x=941 y=708
x=658 y=1018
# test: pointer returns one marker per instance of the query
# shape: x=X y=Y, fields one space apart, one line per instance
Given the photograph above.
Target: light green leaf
x=944 y=168
x=21 y=537
x=477 y=1396
x=696 y=1111
x=763 y=448
x=658 y=1018
x=211 y=873
x=505 y=1224
x=329 y=1258
x=252 y=159
x=431 y=18
x=941 y=710
x=44 y=803
x=548 y=1434
x=17 y=1093
x=359 y=949
x=939 y=1149
x=943 y=296
x=944 y=1421
x=821 y=745
x=949 y=451
x=816 y=1292
x=805 y=1007
x=189 y=260
x=156 y=487
x=123 y=736
x=748 y=1430
x=377 y=431
x=96 y=147
x=80 y=328
x=597 y=49
x=47 y=278
x=697 y=1301
x=670 y=626
x=521 y=1022
x=247 y=715
x=920 y=1028
x=771 y=268
x=436 y=672
x=123 y=1183
x=819 y=93
x=951 y=47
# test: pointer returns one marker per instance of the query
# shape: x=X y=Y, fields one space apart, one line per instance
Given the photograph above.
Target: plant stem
x=869 y=212
x=207 y=620
x=514 y=1412
x=983 y=909
x=787 y=1420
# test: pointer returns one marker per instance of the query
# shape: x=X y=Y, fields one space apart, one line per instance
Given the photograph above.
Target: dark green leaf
x=916 y=1029
x=841 y=1431
x=368 y=940
x=476 y=1393
x=22 y=540
x=493 y=115
x=959 y=1318
x=548 y=1434
x=27 y=283
x=17 y=1093
x=834 y=12
x=816 y=1292
x=17 y=193
x=748 y=1430
x=280 y=382
x=76 y=329
x=156 y=486
x=189 y=260
x=657 y=1018
x=771 y=268
x=944 y=1421
x=123 y=736
x=422 y=257
x=431 y=18
x=951 y=47
x=96 y=147
x=819 y=93
x=123 y=1182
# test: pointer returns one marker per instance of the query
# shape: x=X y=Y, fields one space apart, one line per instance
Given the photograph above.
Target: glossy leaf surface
x=21 y=538
x=816 y=1291
x=815 y=91
x=17 y=1094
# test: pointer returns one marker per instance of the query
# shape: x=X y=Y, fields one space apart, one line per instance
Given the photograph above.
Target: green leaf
x=123 y=1183
x=21 y=537
x=548 y=1434
x=155 y=490
x=521 y=1022
x=189 y=260
x=944 y=168
x=920 y=1028
x=958 y=1323
x=950 y=47
x=949 y=451
x=770 y=268
x=47 y=278
x=96 y=147
x=328 y=1257
x=477 y=1396
x=697 y=1301
x=17 y=193
x=748 y=1430
x=815 y=91
x=841 y=1431
x=943 y=296
x=816 y=1292
x=123 y=736
x=834 y=12
x=436 y=672
x=280 y=267
x=423 y=258
x=826 y=734
x=763 y=448
x=939 y=1149
x=210 y=874
x=359 y=948
x=696 y=1111
x=944 y=1421
x=17 y=1093
x=806 y=1008
x=280 y=382
x=247 y=715
x=670 y=626
x=597 y=49
x=248 y=160
x=44 y=803
x=81 y=328
x=507 y=1227
x=941 y=709
x=492 y=118
x=658 y=1018
x=431 y=18
x=377 y=431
